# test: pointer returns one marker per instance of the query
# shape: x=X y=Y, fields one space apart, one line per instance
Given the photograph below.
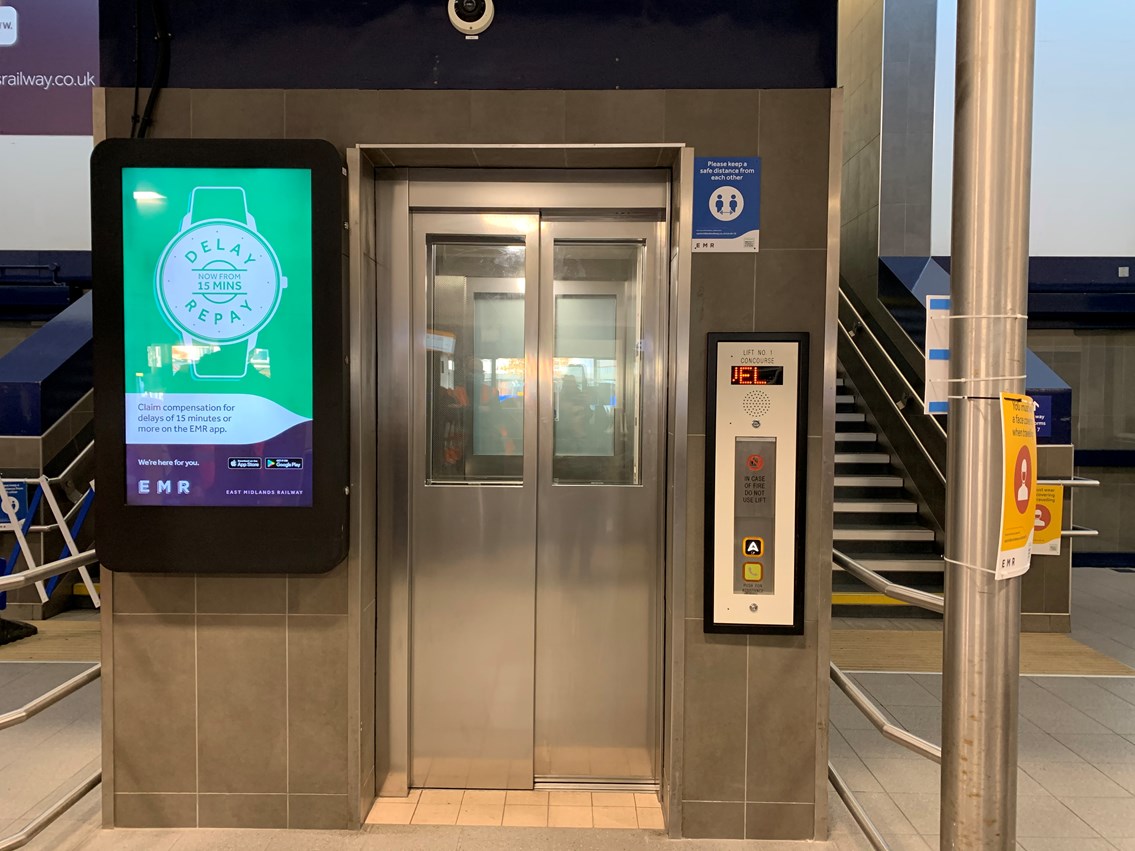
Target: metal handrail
x=36 y=826
x=873 y=834
x=46 y=571
x=882 y=350
x=922 y=599
x=50 y=698
x=879 y=721
x=1073 y=482
x=1079 y=532
x=54 y=480
x=866 y=364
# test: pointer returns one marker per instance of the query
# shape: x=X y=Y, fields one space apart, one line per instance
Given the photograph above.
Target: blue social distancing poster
x=727 y=204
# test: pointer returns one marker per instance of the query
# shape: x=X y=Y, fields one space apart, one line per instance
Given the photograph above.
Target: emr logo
x=8 y=26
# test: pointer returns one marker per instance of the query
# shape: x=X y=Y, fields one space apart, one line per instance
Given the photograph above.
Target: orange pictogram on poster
x=1019 y=487
x=1049 y=517
x=756 y=463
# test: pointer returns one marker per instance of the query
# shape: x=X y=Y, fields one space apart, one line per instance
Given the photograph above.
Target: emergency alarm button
x=753 y=572
x=753 y=547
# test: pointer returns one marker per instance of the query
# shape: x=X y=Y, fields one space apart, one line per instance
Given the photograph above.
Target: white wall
x=1083 y=186
x=45 y=193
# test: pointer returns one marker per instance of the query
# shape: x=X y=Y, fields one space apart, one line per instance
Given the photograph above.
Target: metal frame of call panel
x=787 y=468
x=202 y=539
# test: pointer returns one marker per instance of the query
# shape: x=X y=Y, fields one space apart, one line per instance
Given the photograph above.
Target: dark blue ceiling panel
x=532 y=44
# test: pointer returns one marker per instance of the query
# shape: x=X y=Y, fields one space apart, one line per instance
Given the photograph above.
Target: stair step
x=864 y=598
x=839 y=382
x=851 y=418
x=882 y=533
x=868 y=481
x=856 y=437
x=876 y=506
x=844 y=399
x=862 y=458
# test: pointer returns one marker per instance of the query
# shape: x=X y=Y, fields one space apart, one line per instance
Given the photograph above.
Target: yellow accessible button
x=753 y=572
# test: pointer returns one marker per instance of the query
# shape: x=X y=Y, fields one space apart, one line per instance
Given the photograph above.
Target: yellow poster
x=1018 y=501
x=1048 y=520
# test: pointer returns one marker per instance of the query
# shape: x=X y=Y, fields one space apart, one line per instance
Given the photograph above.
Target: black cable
x=135 y=118
x=161 y=72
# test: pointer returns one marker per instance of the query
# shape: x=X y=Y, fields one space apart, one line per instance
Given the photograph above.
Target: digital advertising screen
x=220 y=307
x=217 y=311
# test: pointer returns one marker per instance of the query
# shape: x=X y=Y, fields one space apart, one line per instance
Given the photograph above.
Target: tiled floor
x=1076 y=778
x=626 y=810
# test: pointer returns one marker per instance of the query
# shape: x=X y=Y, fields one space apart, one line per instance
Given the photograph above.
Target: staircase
x=877 y=520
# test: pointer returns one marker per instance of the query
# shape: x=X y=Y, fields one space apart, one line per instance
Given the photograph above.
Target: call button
x=753 y=572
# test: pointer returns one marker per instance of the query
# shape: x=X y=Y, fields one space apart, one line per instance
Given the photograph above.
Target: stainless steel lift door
x=536 y=562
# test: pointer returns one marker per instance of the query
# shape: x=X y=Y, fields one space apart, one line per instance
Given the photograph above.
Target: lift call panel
x=755 y=482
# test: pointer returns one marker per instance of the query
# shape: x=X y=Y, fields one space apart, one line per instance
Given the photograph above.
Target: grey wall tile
x=892 y=230
x=155 y=810
x=694 y=116
x=534 y=117
x=423 y=117
x=721 y=299
x=794 y=145
x=155 y=719
x=695 y=527
x=261 y=812
x=242 y=703
x=780 y=821
x=317 y=705
x=238 y=113
x=614 y=116
x=791 y=295
x=344 y=118
x=714 y=716
x=171 y=119
x=713 y=820
x=319 y=594
x=241 y=595
x=153 y=593
x=781 y=737
x=318 y=812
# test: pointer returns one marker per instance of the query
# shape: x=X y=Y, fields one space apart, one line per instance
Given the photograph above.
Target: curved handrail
x=36 y=826
x=879 y=721
x=880 y=583
x=50 y=698
x=46 y=571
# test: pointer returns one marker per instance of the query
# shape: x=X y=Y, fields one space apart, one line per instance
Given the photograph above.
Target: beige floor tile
x=483 y=798
x=647 y=799
x=526 y=798
x=570 y=799
x=441 y=796
x=483 y=814
x=622 y=817
x=386 y=812
x=435 y=814
x=650 y=818
x=612 y=799
x=569 y=816
x=525 y=815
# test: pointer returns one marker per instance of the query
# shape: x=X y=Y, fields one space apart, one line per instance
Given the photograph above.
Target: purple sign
x=49 y=63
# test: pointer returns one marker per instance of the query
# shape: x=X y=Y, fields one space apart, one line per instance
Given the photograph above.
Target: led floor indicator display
x=217 y=301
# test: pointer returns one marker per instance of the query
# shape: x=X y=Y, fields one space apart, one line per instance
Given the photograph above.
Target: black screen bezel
x=206 y=539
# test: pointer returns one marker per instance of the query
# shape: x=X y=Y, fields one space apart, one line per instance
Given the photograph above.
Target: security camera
x=471 y=17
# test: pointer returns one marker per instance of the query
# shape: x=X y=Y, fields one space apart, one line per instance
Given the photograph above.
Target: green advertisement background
x=280 y=202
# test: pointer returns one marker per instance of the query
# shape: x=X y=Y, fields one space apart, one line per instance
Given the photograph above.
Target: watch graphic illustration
x=219 y=282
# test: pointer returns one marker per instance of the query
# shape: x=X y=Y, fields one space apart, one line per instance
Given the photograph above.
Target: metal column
x=992 y=151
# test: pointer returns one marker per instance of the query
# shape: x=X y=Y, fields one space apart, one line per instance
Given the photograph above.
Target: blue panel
x=533 y=44
x=938 y=407
x=938 y=354
x=42 y=377
x=1105 y=457
x=939 y=304
x=1110 y=560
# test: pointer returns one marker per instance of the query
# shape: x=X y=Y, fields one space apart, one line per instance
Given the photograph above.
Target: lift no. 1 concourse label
x=217 y=292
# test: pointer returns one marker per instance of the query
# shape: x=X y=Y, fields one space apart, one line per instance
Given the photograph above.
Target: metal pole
x=989 y=286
